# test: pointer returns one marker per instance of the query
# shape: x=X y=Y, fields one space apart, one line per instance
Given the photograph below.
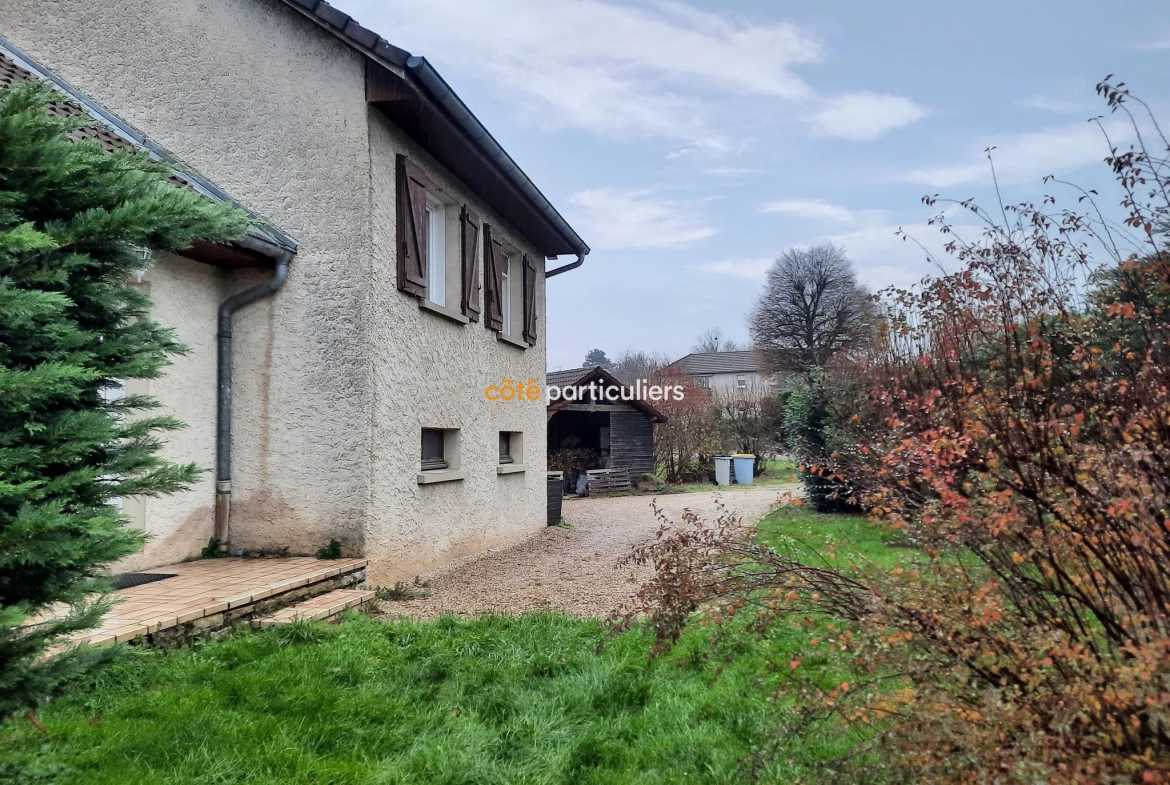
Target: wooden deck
x=211 y=592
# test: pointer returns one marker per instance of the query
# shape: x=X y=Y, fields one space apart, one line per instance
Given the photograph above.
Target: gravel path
x=574 y=570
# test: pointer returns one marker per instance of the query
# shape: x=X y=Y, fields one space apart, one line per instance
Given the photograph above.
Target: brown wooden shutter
x=412 y=228
x=529 y=300
x=470 y=258
x=493 y=317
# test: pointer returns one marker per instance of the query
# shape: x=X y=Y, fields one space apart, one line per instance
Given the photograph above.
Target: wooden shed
x=601 y=425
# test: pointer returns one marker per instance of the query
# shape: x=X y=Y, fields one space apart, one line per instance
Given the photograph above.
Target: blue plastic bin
x=744 y=468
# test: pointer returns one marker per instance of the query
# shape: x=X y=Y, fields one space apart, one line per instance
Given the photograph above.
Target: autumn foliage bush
x=1015 y=421
x=694 y=431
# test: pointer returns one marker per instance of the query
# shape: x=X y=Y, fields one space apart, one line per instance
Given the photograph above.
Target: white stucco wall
x=727 y=382
x=336 y=375
x=186 y=296
x=431 y=372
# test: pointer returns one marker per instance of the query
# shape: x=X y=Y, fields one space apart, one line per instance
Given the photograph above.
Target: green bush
x=73 y=330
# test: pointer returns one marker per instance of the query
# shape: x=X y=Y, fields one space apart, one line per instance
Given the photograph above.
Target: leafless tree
x=633 y=365
x=812 y=307
x=713 y=341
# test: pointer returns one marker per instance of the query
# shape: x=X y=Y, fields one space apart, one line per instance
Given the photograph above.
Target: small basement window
x=433 y=452
x=506 y=447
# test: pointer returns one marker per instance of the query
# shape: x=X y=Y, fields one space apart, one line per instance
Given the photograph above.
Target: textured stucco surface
x=431 y=372
x=186 y=295
x=336 y=375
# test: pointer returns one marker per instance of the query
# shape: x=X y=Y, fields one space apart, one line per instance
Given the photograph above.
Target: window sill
x=441 y=475
x=442 y=310
x=511 y=468
x=512 y=341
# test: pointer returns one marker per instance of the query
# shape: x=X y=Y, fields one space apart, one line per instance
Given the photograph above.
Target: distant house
x=596 y=432
x=725 y=372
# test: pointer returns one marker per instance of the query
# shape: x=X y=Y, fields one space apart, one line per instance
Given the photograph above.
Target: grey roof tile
x=366 y=38
x=331 y=15
x=703 y=363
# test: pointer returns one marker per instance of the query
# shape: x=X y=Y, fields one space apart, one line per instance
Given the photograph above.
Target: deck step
x=323 y=606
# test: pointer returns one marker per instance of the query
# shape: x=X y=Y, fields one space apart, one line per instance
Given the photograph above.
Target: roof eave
x=259 y=229
x=431 y=87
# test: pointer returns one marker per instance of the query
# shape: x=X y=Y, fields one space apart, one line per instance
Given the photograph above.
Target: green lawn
x=491 y=700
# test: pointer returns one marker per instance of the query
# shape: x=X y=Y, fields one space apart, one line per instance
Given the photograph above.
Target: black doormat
x=128 y=579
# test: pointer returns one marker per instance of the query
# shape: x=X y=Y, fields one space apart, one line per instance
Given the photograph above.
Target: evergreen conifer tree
x=72 y=328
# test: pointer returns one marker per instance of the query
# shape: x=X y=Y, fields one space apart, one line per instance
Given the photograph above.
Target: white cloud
x=747 y=269
x=599 y=65
x=733 y=172
x=1047 y=103
x=812 y=209
x=865 y=116
x=624 y=218
x=1155 y=45
x=1025 y=157
x=881 y=256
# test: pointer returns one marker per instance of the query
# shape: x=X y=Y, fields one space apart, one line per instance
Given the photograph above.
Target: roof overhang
x=257 y=248
x=412 y=94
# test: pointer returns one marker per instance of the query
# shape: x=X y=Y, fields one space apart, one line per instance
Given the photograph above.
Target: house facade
x=415 y=272
x=726 y=373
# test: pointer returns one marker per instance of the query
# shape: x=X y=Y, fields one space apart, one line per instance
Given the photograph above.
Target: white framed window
x=506 y=293
x=114 y=393
x=741 y=381
x=436 y=251
x=705 y=382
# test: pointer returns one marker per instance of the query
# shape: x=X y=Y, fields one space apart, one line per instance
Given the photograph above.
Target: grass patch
x=511 y=700
x=853 y=538
x=493 y=700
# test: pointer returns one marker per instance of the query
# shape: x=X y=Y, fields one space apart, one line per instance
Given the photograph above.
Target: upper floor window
x=436 y=251
x=506 y=294
x=438 y=246
x=704 y=382
x=741 y=381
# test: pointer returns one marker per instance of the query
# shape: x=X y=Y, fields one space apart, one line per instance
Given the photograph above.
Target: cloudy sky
x=690 y=143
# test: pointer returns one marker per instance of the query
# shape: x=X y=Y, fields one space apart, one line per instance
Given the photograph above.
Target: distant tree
x=631 y=365
x=753 y=419
x=72 y=328
x=694 y=432
x=597 y=359
x=714 y=341
x=812 y=308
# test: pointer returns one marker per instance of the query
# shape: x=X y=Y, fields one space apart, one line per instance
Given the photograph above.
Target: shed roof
x=704 y=363
x=568 y=377
x=114 y=133
x=580 y=377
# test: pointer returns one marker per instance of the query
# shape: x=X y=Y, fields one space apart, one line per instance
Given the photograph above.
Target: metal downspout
x=564 y=268
x=223 y=434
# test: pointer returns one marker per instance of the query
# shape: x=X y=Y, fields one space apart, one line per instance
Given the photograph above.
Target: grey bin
x=744 y=468
x=556 y=494
x=723 y=470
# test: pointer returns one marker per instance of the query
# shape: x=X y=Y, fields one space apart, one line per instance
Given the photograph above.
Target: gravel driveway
x=573 y=570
